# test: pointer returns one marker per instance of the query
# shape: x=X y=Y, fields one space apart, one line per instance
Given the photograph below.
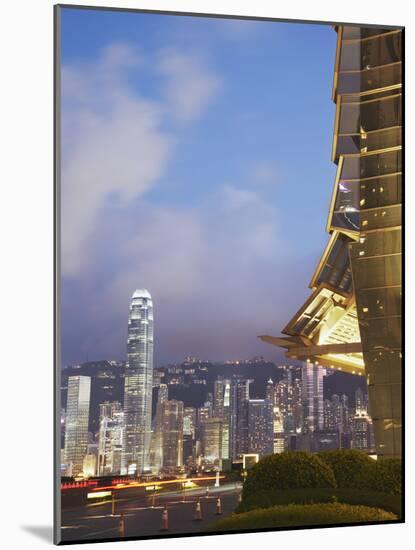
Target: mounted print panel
x=228 y=261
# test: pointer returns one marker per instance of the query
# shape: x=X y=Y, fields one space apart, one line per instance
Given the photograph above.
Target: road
x=141 y=519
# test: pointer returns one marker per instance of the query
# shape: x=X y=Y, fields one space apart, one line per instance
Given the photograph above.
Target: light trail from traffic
x=155 y=483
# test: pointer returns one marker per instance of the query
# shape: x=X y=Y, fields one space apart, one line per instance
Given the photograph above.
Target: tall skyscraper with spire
x=138 y=384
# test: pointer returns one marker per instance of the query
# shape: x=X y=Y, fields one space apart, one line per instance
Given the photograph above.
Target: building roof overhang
x=346 y=357
x=324 y=330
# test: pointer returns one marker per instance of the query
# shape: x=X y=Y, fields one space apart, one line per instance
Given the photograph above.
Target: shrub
x=383 y=475
x=267 y=499
x=346 y=465
x=297 y=515
x=288 y=470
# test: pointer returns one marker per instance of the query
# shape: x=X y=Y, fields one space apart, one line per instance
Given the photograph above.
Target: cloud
x=115 y=143
x=250 y=223
x=239 y=29
x=214 y=271
x=212 y=267
x=165 y=251
x=190 y=85
x=264 y=173
x=234 y=198
x=198 y=262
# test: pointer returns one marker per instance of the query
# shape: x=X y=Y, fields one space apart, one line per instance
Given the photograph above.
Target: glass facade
x=352 y=321
x=312 y=397
x=110 y=444
x=76 y=428
x=212 y=441
x=172 y=435
x=138 y=385
x=238 y=417
x=260 y=427
x=368 y=149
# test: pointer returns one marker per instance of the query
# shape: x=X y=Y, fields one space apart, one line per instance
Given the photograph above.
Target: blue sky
x=196 y=163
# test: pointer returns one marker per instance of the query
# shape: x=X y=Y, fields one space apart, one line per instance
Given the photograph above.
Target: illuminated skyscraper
x=270 y=391
x=77 y=417
x=238 y=414
x=212 y=441
x=352 y=319
x=361 y=424
x=221 y=410
x=337 y=421
x=362 y=432
x=189 y=434
x=138 y=384
x=226 y=421
x=172 y=435
x=107 y=385
x=203 y=413
x=360 y=402
x=287 y=398
x=278 y=431
x=157 y=436
x=89 y=468
x=260 y=427
x=189 y=421
x=218 y=397
x=312 y=397
x=111 y=436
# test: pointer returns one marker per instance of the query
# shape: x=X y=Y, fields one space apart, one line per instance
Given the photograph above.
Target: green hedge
x=383 y=475
x=356 y=470
x=346 y=465
x=288 y=470
x=267 y=499
x=296 y=515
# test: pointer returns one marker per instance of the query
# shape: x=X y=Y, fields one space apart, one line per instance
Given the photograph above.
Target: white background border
x=26 y=307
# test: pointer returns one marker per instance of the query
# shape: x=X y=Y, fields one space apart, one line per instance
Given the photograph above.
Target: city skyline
x=134 y=438
x=289 y=413
x=233 y=429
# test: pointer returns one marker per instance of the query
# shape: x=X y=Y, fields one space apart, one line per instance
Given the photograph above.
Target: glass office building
x=352 y=320
x=172 y=435
x=260 y=427
x=138 y=385
x=76 y=428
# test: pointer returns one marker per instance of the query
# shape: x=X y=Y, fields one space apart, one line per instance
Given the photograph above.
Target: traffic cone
x=165 y=520
x=218 y=507
x=198 y=511
x=121 y=526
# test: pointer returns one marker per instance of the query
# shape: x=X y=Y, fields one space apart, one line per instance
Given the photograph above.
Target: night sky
x=196 y=164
